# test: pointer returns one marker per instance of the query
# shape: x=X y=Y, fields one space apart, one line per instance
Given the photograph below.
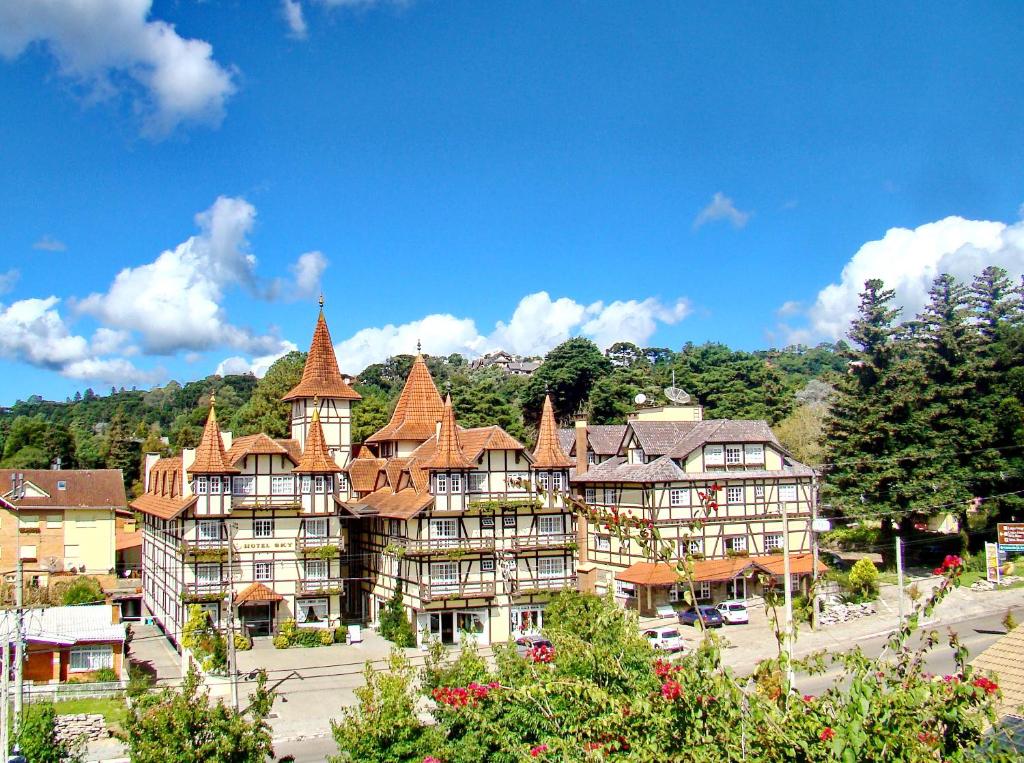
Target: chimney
x=115 y=614
x=581 y=445
x=151 y=459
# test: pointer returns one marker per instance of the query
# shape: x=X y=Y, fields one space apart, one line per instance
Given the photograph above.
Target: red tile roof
x=549 y=454
x=404 y=504
x=649 y=573
x=256 y=445
x=163 y=507
x=315 y=458
x=83 y=488
x=210 y=455
x=448 y=450
x=257 y=592
x=320 y=375
x=363 y=472
x=417 y=411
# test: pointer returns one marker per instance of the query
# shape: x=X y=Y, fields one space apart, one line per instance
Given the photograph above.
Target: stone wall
x=91 y=726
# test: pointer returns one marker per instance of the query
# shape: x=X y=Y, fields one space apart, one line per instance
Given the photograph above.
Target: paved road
x=976 y=634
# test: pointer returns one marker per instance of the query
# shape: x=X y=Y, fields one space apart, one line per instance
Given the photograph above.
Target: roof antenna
x=418 y=347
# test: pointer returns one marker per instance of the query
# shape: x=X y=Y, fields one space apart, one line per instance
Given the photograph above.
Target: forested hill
x=112 y=430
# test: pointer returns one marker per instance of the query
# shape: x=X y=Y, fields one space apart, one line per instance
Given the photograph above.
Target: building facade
x=59 y=520
x=666 y=458
x=472 y=527
x=255 y=521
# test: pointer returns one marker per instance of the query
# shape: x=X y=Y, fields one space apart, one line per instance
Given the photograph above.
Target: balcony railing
x=440 y=591
x=209 y=549
x=418 y=546
x=526 y=585
x=314 y=543
x=266 y=501
x=206 y=589
x=321 y=586
x=553 y=540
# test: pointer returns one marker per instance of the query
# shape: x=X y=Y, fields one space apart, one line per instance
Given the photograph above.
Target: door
x=447 y=628
x=739 y=588
x=256 y=620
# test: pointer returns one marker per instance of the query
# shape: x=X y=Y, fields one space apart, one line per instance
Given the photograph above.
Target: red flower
x=990 y=687
x=715 y=488
x=937 y=571
x=536 y=752
x=808 y=698
x=826 y=734
x=541 y=654
x=431 y=759
x=671 y=690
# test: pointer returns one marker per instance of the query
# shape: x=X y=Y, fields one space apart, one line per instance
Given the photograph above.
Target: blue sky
x=483 y=174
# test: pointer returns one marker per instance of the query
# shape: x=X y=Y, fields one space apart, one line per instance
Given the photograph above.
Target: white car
x=665 y=639
x=734 y=612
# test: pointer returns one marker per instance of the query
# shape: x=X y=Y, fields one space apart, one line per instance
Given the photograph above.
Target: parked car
x=734 y=612
x=665 y=639
x=710 y=616
x=525 y=643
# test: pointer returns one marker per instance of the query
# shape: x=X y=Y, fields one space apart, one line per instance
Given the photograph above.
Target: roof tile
x=549 y=454
x=320 y=374
x=315 y=458
x=418 y=409
x=210 y=456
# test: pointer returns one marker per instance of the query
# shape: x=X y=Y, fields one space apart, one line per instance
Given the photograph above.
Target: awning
x=649 y=573
x=257 y=593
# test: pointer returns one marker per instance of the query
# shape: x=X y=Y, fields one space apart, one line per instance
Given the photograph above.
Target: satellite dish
x=640 y=399
x=676 y=395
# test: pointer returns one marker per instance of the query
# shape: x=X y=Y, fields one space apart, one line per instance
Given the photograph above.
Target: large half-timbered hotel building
x=297 y=528
x=665 y=458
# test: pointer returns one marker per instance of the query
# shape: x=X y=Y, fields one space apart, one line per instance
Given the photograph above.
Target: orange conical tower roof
x=320 y=375
x=315 y=458
x=549 y=454
x=418 y=410
x=210 y=455
x=448 y=451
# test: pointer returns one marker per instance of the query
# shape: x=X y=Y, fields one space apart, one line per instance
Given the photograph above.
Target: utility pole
x=232 y=667
x=899 y=575
x=5 y=690
x=814 y=553
x=788 y=591
x=19 y=652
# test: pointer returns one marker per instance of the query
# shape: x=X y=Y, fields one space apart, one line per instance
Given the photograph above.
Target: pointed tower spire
x=211 y=457
x=417 y=411
x=315 y=457
x=448 y=452
x=549 y=454
x=320 y=375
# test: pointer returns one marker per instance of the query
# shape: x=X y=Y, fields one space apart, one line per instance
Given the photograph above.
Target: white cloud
x=909 y=260
x=257 y=366
x=791 y=307
x=50 y=244
x=721 y=208
x=8 y=280
x=307 y=272
x=105 y=44
x=109 y=341
x=292 y=12
x=537 y=324
x=174 y=301
x=116 y=371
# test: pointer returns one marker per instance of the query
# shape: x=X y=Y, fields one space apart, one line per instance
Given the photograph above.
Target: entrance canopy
x=717 y=570
x=257 y=593
x=650 y=574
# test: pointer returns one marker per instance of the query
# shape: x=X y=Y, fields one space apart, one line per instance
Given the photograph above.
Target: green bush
x=850 y=538
x=340 y=634
x=326 y=637
x=105 y=675
x=292 y=635
x=140 y=679
x=83 y=591
x=37 y=737
x=394 y=622
x=242 y=643
x=281 y=641
x=863 y=580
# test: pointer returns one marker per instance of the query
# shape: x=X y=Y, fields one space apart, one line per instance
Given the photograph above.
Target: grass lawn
x=112 y=709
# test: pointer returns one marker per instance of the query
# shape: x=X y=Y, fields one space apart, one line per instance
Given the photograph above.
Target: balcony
x=451 y=546
x=320 y=586
x=542 y=541
x=289 y=501
x=442 y=591
x=526 y=585
x=205 y=590
x=205 y=549
x=318 y=545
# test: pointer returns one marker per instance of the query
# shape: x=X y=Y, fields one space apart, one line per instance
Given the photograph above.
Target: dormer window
x=62 y=484
x=733 y=455
x=202 y=486
x=440 y=483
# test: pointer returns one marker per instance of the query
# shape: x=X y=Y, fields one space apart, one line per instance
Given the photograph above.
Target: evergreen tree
x=121 y=449
x=265 y=411
x=568 y=372
x=394 y=622
x=369 y=414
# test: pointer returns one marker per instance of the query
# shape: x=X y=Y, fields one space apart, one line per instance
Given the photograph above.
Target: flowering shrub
x=540 y=653
x=456 y=696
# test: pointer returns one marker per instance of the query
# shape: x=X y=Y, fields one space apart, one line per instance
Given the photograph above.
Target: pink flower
x=431 y=759
x=541 y=654
x=536 y=752
x=671 y=689
x=808 y=698
x=826 y=734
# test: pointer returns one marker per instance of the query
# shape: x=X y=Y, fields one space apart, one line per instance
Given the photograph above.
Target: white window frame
x=208 y=574
x=244 y=485
x=690 y=546
x=609 y=496
x=549 y=524
x=478 y=482
x=602 y=543
x=312 y=527
x=86 y=659
x=736 y=543
x=444 y=529
x=263 y=570
x=316 y=569
x=625 y=590
x=787 y=493
x=703 y=589
x=302 y=607
x=590 y=495
x=733 y=455
x=754 y=454
x=676 y=496
x=306 y=483
x=508 y=521
x=543 y=480
x=454 y=483
x=486 y=565
x=202 y=485
x=263 y=528
x=794 y=580
x=208 y=529
x=215 y=486
x=772 y=541
x=714 y=455
x=556 y=482
x=487 y=522
x=444 y=573
x=318 y=484
x=550 y=567
x=282 y=485
x=734 y=494
x=440 y=483
x=342 y=483
x=758 y=492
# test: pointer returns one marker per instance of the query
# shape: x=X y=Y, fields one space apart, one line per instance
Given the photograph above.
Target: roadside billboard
x=1010 y=536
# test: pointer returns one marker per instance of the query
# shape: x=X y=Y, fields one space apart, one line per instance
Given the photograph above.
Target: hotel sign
x=1010 y=536
x=266 y=544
